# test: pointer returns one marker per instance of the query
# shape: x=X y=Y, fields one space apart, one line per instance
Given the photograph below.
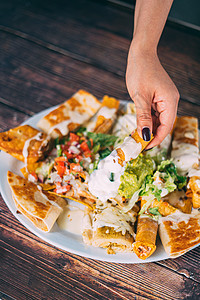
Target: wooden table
x=49 y=50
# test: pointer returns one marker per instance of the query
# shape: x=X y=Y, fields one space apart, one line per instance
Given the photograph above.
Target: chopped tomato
x=62 y=189
x=82 y=139
x=87 y=153
x=73 y=137
x=84 y=146
x=34 y=175
x=76 y=167
x=79 y=157
x=60 y=167
x=59 y=159
x=69 y=155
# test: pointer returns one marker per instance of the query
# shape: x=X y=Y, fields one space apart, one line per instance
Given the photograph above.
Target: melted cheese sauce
x=36 y=137
x=71 y=219
x=185 y=156
x=194 y=172
x=125 y=125
x=75 y=117
x=130 y=148
x=176 y=217
x=160 y=184
x=198 y=183
x=106 y=112
x=40 y=197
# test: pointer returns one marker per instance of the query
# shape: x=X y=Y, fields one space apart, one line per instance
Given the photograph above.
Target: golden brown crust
x=164 y=207
x=135 y=135
x=180 y=236
x=186 y=130
x=145 y=242
x=67 y=114
x=195 y=191
x=38 y=206
x=13 y=141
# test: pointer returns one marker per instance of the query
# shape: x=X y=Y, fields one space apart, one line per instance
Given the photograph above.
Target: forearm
x=149 y=21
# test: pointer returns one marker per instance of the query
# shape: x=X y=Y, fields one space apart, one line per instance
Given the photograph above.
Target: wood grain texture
x=49 y=78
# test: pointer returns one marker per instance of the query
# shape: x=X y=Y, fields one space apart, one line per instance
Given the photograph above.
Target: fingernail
x=146 y=134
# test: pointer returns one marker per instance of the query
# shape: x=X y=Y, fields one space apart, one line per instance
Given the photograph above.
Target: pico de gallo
x=73 y=159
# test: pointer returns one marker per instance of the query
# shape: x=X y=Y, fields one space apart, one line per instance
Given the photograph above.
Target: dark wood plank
x=10 y=118
x=36 y=261
x=36 y=79
x=95 y=45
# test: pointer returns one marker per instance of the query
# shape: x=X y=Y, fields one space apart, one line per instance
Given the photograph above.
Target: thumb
x=144 y=118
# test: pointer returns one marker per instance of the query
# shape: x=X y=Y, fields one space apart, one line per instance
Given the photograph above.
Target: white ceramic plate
x=62 y=239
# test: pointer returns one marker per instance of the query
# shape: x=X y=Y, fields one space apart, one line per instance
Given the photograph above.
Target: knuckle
x=144 y=116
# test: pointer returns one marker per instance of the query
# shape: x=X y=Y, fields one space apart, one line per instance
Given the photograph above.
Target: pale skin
x=150 y=87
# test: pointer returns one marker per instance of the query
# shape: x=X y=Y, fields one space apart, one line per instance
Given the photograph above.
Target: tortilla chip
x=140 y=140
x=25 y=143
x=110 y=102
x=179 y=200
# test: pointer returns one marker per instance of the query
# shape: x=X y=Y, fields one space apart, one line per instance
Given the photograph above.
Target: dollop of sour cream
x=102 y=183
x=105 y=181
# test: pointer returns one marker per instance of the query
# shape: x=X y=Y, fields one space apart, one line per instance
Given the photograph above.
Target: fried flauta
x=145 y=241
x=179 y=232
x=185 y=145
x=25 y=143
x=105 y=117
x=41 y=208
x=70 y=115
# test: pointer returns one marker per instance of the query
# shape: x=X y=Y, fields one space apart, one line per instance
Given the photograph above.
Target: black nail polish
x=146 y=134
x=148 y=149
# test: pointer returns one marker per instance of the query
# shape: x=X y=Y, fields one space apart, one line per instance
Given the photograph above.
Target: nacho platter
x=57 y=237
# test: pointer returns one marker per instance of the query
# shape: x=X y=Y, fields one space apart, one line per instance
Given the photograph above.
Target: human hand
x=153 y=92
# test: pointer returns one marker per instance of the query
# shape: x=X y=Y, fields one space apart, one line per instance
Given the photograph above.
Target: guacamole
x=135 y=172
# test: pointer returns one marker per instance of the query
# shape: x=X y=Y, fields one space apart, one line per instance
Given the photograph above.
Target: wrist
x=143 y=46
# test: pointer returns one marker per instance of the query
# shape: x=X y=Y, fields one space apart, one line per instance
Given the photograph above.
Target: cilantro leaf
x=154 y=211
